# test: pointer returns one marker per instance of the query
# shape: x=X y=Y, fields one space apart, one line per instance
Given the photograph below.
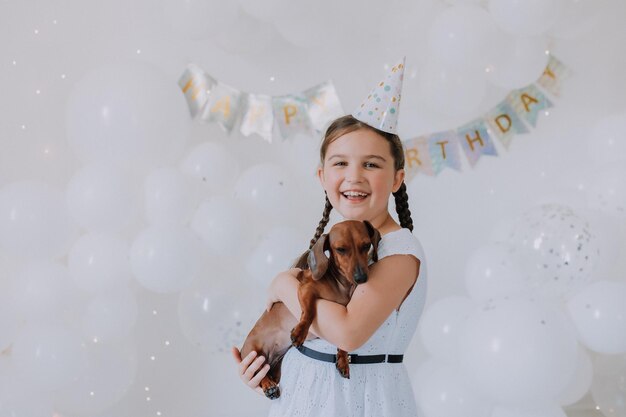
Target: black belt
x=352 y=358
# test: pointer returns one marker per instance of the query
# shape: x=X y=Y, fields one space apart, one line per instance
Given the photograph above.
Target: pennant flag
x=443 y=151
x=475 y=141
x=323 y=105
x=504 y=123
x=416 y=158
x=196 y=85
x=553 y=76
x=223 y=106
x=258 y=116
x=290 y=113
x=527 y=102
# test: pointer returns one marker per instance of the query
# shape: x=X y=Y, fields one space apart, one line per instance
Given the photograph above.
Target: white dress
x=314 y=388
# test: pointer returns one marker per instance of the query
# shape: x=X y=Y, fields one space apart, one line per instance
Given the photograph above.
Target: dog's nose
x=360 y=276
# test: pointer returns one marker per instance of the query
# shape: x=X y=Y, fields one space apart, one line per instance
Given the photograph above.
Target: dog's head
x=350 y=244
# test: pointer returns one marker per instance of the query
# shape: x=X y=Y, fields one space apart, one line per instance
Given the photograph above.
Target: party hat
x=381 y=107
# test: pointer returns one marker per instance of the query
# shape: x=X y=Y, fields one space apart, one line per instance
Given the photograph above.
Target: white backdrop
x=135 y=243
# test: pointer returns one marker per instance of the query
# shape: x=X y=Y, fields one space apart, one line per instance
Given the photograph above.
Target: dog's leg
x=343 y=366
x=307 y=296
x=269 y=384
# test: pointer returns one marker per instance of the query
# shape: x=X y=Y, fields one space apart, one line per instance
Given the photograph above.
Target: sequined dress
x=313 y=388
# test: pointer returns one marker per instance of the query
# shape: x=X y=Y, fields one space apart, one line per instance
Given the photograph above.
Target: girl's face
x=359 y=175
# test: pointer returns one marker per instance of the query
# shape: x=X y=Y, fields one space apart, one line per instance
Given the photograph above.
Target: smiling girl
x=361 y=167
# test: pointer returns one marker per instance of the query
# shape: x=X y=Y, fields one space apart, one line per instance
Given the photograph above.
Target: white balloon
x=101 y=198
x=109 y=375
x=214 y=316
x=580 y=382
x=276 y=252
x=557 y=249
x=169 y=197
x=599 y=314
x=49 y=356
x=224 y=225
x=527 y=17
x=127 y=113
x=198 y=19
x=269 y=189
x=463 y=36
x=165 y=259
x=110 y=316
x=606 y=191
x=42 y=289
x=34 y=221
x=546 y=411
x=606 y=142
x=578 y=18
x=9 y=322
x=609 y=393
x=99 y=261
x=492 y=271
x=518 y=62
x=448 y=394
x=214 y=165
x=441 y=325
x=518 y=352
x=452 y=91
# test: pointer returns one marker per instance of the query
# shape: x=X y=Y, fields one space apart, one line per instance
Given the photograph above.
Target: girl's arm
x=351 y=326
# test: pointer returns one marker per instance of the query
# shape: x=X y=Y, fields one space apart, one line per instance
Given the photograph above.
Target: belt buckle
x=385 y=358
x=349 y=358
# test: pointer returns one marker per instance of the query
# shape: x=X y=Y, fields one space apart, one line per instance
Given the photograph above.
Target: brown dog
x=331 y=278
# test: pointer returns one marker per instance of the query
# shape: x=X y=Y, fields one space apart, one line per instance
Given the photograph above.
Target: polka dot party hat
x=381 y=107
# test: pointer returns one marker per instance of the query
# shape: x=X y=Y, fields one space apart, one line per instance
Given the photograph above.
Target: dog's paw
x=298 y=335
x=344 y=371
x=272 y=392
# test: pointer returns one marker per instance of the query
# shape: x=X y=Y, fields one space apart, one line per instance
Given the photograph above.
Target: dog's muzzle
x=360 y=276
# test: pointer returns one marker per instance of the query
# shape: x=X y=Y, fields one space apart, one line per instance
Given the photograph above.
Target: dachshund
x=350 y=244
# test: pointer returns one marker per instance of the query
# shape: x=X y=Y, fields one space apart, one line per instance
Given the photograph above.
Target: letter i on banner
x=291 y=115
x=257 y=116
x=443 y=151
x=323 y=105
x=553 y=76
x=196 y=85
x=527 y=102
x=505 y=123
x=223 y=106
x=417 y=158
x=475 y=141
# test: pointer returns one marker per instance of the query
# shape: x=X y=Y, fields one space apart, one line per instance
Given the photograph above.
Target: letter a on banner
x=527 y=102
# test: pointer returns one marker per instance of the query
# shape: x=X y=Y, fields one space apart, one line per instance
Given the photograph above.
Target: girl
x=360 y=167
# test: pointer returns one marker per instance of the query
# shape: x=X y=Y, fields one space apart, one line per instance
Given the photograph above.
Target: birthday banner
x=304 y=112
x=514 y=115
x=311 y=110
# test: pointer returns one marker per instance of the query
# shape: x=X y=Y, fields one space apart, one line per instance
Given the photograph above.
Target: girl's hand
x=247 y=368
x=273 y=292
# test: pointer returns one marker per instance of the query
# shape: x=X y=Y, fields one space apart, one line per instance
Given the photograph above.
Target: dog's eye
x=365 y=247
x=341 y=250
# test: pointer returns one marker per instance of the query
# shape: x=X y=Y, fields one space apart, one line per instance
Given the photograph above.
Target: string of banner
x=311 y=110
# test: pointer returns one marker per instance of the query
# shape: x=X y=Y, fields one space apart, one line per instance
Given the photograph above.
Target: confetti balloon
x=557 y=249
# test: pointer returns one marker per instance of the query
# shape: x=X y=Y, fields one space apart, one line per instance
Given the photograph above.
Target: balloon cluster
x=144 y=213
x=537 y=311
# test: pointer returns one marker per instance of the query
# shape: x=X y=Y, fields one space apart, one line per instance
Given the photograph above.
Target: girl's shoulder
x=400 y=242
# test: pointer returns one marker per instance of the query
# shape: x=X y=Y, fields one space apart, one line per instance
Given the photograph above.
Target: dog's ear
x=374 y=238
x=318 y=261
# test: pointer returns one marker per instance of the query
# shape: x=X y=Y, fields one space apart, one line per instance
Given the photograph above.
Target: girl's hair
x=347 y=124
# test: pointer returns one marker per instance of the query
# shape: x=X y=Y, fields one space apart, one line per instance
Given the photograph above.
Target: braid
x=325 y=217
x=402 y=207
